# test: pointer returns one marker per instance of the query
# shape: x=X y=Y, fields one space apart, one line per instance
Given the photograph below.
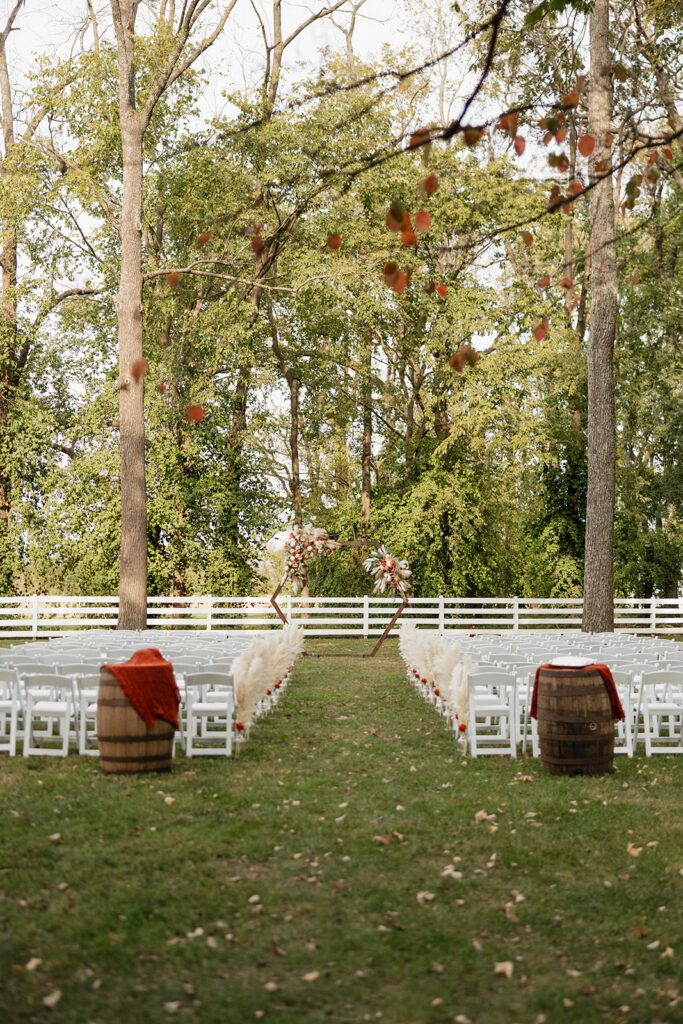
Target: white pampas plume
x=445 y=660
x=248 y=691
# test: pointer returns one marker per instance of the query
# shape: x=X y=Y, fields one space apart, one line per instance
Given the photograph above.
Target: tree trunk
x=133 y=582
x=598 y=588
x=366 y=443
x=8 y=322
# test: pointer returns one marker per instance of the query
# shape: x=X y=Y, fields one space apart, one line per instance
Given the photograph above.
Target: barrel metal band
x=576 y=760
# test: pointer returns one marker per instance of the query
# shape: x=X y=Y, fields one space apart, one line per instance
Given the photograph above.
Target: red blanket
x=615 y=703
x=149 y=684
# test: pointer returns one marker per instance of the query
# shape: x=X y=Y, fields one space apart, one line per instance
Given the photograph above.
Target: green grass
x=306 y=854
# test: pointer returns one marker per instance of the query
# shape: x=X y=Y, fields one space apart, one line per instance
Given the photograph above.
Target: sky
x=52 y=28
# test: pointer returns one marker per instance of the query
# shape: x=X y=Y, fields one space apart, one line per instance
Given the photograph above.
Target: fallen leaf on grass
x=505 y=967
x=311 y=976
x=172 y=1007
x=169 y=800
x=55 y=837
x=271 y=986
x=510 y=914
x=437 y=1002
x=450 y=872
x=633 y=851
x=52 y=999
x=425 y=897
x=668 y=952
x=33 y=963
x=587 y=990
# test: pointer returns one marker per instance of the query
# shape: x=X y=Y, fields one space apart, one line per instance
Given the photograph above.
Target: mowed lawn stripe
x=338 y=869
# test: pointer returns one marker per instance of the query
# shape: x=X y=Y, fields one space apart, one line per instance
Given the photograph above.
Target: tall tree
x=135 y=113
x=598 y=587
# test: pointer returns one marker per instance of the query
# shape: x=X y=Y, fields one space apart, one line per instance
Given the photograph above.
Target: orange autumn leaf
x=419 y=137
x=472 y=135
x=257 y=244
x=390 y=272
x=527 y=238
x=602 y=167
x=195 y=413
x=636 y=278
x=457 y=361
x=668 y=153
x=609 y=139
x=430 y=288
x=586 y=145
x=442 y=290
x=574 y=188
x=204 y=239
x=161 y=388
x=544 y=282
x=173 y=279
x=422 y=221
x=391 y=222
x=567 y=282
x=431 y=184
x=409 y=238
x=406 y=223
x=334 y=241
x=561 y=136
x=542 y=329
x=508 y=123
x=520 y=144
x=653 y=157
x=138 y=369
x=571 y=99
x=400 y=282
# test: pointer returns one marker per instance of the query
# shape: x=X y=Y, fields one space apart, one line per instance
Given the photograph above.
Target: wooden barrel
x=126 y=744
x=575 y=724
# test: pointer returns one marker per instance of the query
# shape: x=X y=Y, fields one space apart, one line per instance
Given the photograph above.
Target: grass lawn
x=339 y=870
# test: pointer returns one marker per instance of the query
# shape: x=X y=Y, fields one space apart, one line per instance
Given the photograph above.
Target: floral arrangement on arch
x=390 y=573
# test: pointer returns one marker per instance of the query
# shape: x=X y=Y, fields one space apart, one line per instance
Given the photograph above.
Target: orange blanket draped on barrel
x=615 y=703
x=149 y=684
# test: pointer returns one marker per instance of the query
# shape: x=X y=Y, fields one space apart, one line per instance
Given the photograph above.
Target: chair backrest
x=666 y=677
x=41 y=681
x=621 y=677
x=32 y=667
x=220 y=666
x=78 y=668
x=211 y=680
x=492 y=678
x=8 y=675
x=186 y=662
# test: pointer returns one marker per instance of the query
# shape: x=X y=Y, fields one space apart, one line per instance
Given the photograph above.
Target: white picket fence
x=50 y=615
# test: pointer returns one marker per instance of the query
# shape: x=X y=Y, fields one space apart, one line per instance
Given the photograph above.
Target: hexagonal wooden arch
x=385 y=634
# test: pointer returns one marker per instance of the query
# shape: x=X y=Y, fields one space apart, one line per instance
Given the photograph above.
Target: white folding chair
x=624 y=738
x=660 y=704
x=209 y=709
x=48 y=703
x=9 y=711
x=493 y=713
x=85 y=691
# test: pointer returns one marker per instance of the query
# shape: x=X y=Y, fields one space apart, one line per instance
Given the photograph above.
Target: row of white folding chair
x=206 y=716
x=660 y=706
x=32 y=705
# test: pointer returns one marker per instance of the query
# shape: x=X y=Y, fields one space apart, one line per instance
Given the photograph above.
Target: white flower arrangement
x=301 y=544
x=389 y=572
